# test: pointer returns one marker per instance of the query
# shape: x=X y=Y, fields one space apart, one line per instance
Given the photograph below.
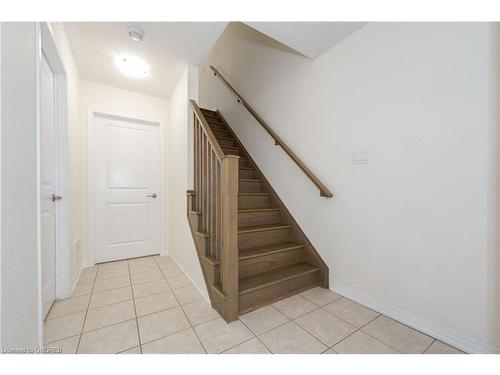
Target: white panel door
x=48 y=186
x=127 y=184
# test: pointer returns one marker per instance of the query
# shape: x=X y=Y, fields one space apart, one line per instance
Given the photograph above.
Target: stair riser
x=211 y=118
x=250 y=187
x=243 y=162
x=263 y=238
x=221 y=133
x=225 y=142
x=252 y=266
x=219 y=128
x=246 y=173
x=253 y=300
x=207 y=111
x=258 y=218
x=254 y=201
x=230 y=151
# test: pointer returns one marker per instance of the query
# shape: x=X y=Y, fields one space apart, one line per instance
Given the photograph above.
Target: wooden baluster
x=205 y=186
x=209 y=196
x=229 y=255
x=198 y=169
x=202 y=182
x=195 y=158
x=217 y=191
x=212 y=205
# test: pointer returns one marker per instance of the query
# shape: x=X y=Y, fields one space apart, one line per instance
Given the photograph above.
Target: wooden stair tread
x=249 y=180
x=208 y=110
x=259 y=251
x=231 y=147
x=262 y=228
x=268 y=249
x=253 y=193
x=258 y=209
x=254 y=282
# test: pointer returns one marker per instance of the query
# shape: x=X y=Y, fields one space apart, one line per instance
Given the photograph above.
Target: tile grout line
x=94 y=330
x=373 y=337
x=317 y=338
x=270 y=329
x=428 y=347
x=379 y=315
x=257 y=337
x=357 y=330
x=317 y=307
x=86 y=311
x=65 y=338
x=135 y=310
x=97 y=307
x=62 y=315
x=189 y=322
x=187 y=318
x=289 y=321
x=241 y=343
x=129 y=320
x=173 y=333
x=282 y=324
x=322 y=308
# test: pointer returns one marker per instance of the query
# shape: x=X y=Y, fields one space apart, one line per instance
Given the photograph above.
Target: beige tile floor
x=147 y=305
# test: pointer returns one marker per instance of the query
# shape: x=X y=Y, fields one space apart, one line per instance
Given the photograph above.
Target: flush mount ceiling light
x=132 y=66
x=135 y=33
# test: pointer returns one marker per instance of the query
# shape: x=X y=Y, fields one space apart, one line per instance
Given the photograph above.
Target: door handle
x=56 y=197
x=152 y=195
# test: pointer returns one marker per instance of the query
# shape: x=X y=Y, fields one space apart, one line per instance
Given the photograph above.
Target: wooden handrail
x=323 y=190
x=210 y=135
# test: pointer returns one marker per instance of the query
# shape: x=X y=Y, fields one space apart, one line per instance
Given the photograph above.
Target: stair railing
x=216 y=201
x=323 y=190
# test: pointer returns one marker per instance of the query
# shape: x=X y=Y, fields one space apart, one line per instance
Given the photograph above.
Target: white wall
x=0 y=185
x=108 y=99
x=412 y=233
x=19 y=255
x=179 y=138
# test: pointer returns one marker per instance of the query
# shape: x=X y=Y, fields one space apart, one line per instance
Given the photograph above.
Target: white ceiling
x=311 y=39
x=167 y=47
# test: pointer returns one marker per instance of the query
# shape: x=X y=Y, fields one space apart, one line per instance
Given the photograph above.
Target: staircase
x=251 y=250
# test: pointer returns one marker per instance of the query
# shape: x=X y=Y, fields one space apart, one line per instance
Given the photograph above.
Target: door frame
x=45 y=42
x=91 y=201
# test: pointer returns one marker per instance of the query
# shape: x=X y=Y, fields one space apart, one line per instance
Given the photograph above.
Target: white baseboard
x=204 y=292
x=459 y=340
x=164 y=252
x=75 y=279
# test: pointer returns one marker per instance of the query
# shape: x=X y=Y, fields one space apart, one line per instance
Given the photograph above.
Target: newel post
x=229 y=253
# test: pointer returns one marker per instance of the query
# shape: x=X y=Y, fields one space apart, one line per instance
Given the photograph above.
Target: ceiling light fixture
x=135 y=33
x=132 y=66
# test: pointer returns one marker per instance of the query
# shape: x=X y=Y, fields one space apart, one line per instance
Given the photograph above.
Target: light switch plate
x=360 y=157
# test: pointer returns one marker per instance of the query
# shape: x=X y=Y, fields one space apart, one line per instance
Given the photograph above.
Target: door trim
x=45 y=42
x=91 y=201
